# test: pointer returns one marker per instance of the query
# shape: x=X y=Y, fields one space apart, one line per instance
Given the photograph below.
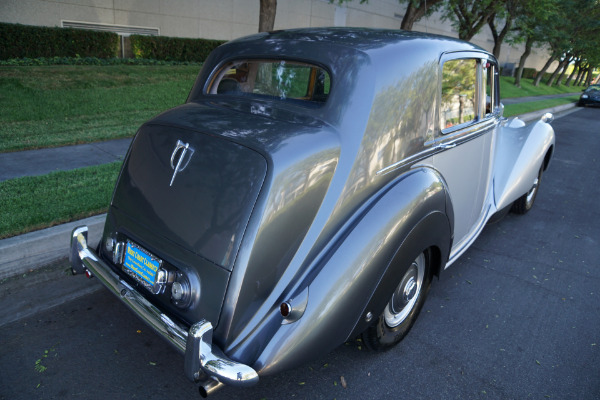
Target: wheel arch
x=433 y=234
x=548 y=156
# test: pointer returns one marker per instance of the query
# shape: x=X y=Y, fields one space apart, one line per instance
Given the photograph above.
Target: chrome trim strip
x=443 y=143
x=196 y=345
x=464 y=134
x=409 y=160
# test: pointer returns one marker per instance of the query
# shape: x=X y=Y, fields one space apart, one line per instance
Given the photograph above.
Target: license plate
x=140 y=264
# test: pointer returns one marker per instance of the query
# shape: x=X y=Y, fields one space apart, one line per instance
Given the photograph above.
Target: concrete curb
x=22 y=253
x=532 y=116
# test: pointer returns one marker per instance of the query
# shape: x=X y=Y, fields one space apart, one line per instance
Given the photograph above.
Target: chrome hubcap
x=410 y=290
x=406 y=294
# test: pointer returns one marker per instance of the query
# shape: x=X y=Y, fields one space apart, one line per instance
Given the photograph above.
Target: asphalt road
x=516 y=317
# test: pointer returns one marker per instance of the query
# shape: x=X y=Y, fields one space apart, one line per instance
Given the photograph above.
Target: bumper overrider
x=205 y=363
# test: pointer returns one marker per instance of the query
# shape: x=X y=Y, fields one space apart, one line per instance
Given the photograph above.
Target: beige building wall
x=229 y=19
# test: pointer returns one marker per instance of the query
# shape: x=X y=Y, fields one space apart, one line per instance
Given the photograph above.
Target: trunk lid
x=202 y=202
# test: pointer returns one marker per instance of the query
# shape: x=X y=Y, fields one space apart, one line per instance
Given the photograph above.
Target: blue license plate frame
x=141 y=265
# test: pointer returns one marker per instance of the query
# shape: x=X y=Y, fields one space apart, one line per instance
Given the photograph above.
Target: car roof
x=361 y=39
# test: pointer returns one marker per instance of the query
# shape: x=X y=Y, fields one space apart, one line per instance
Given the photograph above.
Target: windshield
x=273 y=79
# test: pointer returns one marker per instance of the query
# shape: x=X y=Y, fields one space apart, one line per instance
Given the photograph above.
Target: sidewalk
x=43 y=161
x=21 y=254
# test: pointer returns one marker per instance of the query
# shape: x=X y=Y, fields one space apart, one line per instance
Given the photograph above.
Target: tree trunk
x=499 y=37
x=410 y=16
x=266 y=19
x=538 y=78
x=575 y=69
x=580 y=74
x=526 y=53
x=469 y=24
x=590 y=76
x=564 y=71
x=561 y=65
x=414 y=13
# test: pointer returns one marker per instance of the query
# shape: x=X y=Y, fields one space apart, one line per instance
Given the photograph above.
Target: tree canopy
x=569 y=29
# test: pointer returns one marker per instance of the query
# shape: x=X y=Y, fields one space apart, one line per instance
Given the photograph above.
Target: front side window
x=459 y=84
x=279 y=79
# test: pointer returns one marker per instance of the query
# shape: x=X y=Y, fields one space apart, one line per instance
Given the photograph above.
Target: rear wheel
x=524 y=203
x=403 y=308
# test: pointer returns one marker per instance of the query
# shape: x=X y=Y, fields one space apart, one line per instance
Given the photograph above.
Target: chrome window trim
x=480 y=58
x=463 y=134
x=443 y=143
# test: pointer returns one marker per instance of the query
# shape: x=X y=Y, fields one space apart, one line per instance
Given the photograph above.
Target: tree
x=415 y=10
x=540 y=74
x=562 y=66
x=505 y=15
x=576 y=68
x=531 y=25
x=266 y=18
x=469 y=16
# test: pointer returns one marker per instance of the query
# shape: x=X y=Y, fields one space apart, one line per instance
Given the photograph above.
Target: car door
x=465 y=140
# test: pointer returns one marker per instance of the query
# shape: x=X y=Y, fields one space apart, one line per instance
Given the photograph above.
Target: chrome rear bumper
x=204 y=363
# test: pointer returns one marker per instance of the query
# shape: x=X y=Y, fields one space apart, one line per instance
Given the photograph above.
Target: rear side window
x=276 y=79
x=459 y=84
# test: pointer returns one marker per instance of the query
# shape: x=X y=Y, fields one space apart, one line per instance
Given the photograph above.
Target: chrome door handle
x=445 y=146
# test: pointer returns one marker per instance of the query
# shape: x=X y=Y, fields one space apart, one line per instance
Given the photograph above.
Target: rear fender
x=349 y=275
x=432 y=232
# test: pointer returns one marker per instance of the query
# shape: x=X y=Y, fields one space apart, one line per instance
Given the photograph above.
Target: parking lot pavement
x=516 y=317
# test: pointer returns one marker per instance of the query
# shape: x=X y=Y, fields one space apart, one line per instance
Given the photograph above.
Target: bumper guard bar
x=204 y=363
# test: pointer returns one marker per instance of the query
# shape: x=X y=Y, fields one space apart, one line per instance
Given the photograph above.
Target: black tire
x=524 y=203
x=403 y=308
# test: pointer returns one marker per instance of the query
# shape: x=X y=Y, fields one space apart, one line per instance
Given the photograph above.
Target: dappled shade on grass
x=61 y=105
x=31 y=203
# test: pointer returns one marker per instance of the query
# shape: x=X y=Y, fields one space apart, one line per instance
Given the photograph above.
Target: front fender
x=520 y=153
x=350 y=274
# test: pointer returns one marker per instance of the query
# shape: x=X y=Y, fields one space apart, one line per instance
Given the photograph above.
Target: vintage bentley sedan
x=307 y=192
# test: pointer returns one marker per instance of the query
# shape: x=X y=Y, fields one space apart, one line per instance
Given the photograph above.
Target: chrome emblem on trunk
x=181 y=151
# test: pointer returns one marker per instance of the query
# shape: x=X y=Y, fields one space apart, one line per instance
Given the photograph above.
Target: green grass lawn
x=509 y=90
x=61 y=105
x=511 y=110
x=32 y=203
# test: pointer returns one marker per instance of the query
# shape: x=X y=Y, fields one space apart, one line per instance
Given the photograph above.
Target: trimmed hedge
x=529 y=73
x=22 y=41
x=41 y=61
x=172 y=49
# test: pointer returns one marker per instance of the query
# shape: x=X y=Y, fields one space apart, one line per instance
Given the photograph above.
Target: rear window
x=284 y=80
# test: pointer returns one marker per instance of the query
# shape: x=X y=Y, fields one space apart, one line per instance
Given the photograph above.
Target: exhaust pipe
x=208 y=387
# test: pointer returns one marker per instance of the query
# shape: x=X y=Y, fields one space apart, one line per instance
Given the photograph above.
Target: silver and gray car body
x=260 y=203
